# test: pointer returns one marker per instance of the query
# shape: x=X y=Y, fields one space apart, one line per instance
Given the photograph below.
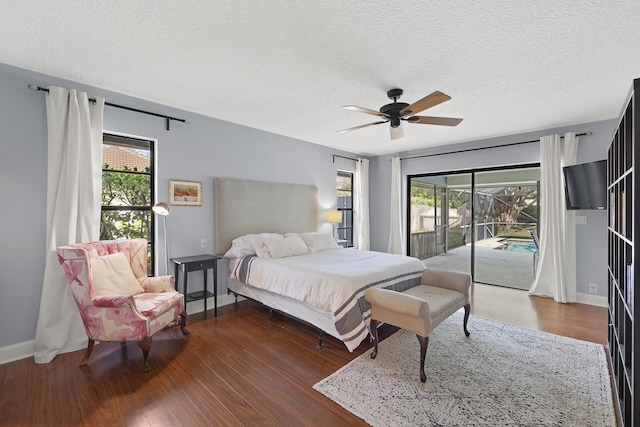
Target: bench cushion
x=418 y=309
x=442 y=303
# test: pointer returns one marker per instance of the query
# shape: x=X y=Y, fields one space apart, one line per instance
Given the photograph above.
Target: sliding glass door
x=479 y=222
x=440 y=220
x=506 y=215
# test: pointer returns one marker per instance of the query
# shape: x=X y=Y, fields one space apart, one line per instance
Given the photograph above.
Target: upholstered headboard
x=244 y=206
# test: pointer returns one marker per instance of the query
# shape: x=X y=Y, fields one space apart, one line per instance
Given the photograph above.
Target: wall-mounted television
x=585 y=185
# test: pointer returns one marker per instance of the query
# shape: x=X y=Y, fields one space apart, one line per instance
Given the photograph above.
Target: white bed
x=325 y=288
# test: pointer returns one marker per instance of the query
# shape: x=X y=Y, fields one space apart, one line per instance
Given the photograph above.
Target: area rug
x=502 y=375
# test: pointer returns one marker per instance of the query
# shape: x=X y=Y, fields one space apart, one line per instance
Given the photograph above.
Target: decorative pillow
x=112 y=275
x=319 y=242
x=289 y=246
x=258 y=243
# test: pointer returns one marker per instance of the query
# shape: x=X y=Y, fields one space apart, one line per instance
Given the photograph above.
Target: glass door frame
x=472 y=172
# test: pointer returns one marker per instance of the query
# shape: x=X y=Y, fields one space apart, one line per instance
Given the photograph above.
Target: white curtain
x=74 y=183
x=556 y=270
x=362 y=204
x=395 y=217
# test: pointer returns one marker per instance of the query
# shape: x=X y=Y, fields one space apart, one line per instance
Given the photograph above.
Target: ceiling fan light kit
x=396 y=112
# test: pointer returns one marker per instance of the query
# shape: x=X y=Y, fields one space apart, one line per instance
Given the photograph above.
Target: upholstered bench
x=421 y=308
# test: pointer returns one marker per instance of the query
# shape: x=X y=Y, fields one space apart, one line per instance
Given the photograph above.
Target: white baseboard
x=13 y=352
x=198 y=306
x=590 y=299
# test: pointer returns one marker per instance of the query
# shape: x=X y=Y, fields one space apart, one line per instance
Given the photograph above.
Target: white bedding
x=332 y=281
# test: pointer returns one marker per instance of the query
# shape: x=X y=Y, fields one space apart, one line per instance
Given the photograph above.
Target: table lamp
x=334 y=217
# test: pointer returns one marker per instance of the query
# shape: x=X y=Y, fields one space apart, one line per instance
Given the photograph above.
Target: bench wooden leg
x=374 y=336
x=424 y=343
x=467 y=311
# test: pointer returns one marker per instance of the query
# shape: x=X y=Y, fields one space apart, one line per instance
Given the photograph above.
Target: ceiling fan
x=396 y=112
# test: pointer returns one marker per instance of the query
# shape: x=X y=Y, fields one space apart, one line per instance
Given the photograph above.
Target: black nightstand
x=198 y=263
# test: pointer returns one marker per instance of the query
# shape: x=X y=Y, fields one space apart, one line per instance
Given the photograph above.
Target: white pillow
x=112 y=275
x=289 y=246
x=258 y=243
x=240 y=247
x=319 y=242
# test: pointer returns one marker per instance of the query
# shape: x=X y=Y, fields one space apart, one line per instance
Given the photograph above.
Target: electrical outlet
x=203 y=243
x=593 y=288
x=581 y=219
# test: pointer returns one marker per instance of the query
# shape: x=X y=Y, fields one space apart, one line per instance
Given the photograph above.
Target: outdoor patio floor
x=493 y=266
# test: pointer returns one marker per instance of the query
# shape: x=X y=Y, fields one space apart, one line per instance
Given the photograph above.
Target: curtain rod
x=342 y=157
x=167 y=118
x=484 y=148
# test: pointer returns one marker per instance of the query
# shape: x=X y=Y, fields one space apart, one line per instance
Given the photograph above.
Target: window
x=344 y=185
x=127 y=190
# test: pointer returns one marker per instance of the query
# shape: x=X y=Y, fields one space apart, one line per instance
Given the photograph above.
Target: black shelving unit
x=623 y=226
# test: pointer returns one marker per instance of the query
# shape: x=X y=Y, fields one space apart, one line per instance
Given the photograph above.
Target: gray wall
x=204 y=149
x=591 y=239
x=199 y=151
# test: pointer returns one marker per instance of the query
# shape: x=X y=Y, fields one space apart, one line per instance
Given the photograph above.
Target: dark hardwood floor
x=236 y=369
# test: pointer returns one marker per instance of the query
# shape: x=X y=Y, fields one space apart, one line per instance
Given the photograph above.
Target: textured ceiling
x=288 y=67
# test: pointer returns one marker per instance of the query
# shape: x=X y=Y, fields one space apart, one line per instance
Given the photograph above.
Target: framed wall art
x=185 y=193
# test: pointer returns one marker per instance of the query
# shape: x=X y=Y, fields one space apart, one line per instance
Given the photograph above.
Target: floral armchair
x=116 y=299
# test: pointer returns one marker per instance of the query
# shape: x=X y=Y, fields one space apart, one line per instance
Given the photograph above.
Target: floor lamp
x=334 y=217
x=162 y=209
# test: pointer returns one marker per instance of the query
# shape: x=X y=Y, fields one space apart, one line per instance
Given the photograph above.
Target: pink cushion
x=153 y=305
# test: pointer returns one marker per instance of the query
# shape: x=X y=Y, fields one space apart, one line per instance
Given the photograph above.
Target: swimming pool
x=517 y=245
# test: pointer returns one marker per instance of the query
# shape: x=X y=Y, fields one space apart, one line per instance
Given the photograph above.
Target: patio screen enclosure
x=454 y=218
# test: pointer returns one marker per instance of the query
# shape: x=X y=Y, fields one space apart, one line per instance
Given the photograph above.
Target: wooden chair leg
x=183 y=323
x=374 y=336
x=467 y=311
x=145 y=345
x=424 y=343
x=87 y=353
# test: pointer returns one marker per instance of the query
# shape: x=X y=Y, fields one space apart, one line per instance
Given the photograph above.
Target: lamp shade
x=161 y=209
x=334 y=217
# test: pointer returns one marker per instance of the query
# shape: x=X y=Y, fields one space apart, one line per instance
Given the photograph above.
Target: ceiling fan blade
x=428 y=120
x=362 y=126
x=428 y=101
x=396 y=133
x=365 y=110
